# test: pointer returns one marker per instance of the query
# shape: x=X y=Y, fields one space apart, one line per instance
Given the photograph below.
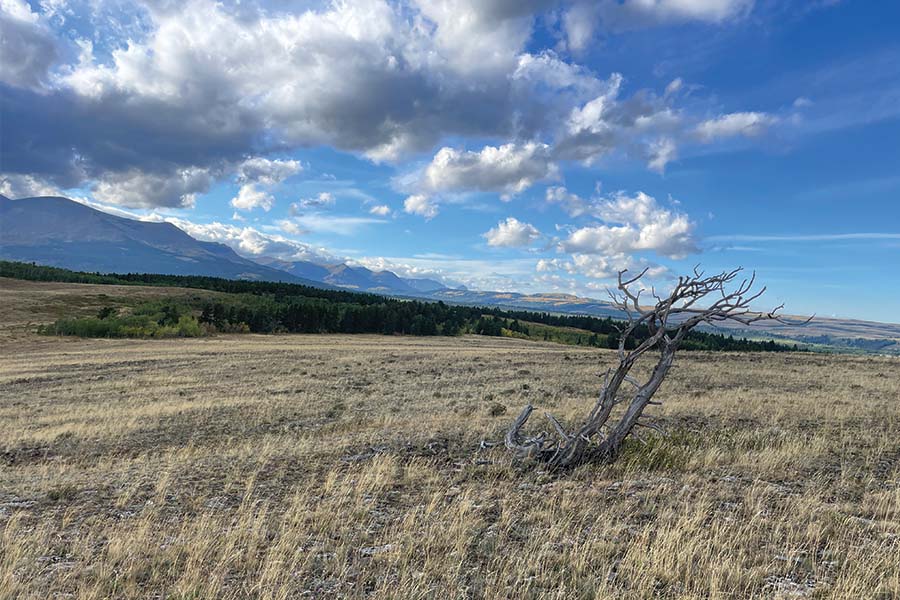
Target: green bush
x=144 y=323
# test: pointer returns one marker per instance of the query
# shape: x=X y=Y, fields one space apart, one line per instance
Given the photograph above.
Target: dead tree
x=668 y=322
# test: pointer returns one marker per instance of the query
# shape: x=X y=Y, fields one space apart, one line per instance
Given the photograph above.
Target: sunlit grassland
x=349 y=466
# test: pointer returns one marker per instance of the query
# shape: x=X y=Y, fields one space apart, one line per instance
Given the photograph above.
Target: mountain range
x=63 y=233
x=356 y=277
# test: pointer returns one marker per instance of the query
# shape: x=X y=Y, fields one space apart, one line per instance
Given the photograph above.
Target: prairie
x=349 y=467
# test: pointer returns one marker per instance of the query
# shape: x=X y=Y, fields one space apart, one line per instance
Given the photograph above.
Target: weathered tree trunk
x=588 y=443
x=630 y=420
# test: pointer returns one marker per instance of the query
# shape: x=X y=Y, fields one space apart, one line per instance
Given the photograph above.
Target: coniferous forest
x=273 y=307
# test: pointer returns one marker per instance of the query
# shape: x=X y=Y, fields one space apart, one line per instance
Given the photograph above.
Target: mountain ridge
x=60 y=232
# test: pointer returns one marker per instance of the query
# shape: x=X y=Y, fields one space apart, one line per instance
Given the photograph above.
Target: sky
x=508 y=145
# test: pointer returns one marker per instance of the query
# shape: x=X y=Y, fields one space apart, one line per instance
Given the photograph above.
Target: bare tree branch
x=668 y=321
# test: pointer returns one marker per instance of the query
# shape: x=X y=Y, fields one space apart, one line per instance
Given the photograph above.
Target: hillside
x=62 y=233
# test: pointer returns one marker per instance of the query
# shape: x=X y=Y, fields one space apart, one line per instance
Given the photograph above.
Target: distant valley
x=63 y=233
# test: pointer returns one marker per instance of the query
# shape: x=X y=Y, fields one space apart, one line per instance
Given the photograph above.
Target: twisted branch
x=668 y=321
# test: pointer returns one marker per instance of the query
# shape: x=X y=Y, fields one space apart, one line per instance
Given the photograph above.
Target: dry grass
x=25 y=304
x=330 y=466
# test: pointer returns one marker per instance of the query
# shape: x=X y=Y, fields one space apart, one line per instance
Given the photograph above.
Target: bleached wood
x=669 y=321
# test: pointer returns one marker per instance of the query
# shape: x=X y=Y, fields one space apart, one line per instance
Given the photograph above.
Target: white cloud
x=579 y=22
x=545 y=265
x=26 y=186
x=508 y=169
x=496 y=274
x=747 y=124
x=402 y=268
x=203 y=85
x=252 y=242
x=632 y=224
x=266 y=171
x=599 y=267
x=571 y=203
x=424 y=70
x=257 y=176
x=478 y=35
x=419 y=204
x=643 y=13
x=512 y=233
x=138 y=189
x=382 y=210
x=644 y=126
x=250 y=197
x=290 y=227
x=660 y=153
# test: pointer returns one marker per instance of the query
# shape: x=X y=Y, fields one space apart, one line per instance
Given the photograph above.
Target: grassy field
x=348 y=466
x=25 y=304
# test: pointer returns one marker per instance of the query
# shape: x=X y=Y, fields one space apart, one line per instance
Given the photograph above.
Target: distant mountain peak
x=59 y=232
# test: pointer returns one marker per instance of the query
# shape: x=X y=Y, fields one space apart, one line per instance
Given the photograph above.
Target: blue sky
x=533 y=146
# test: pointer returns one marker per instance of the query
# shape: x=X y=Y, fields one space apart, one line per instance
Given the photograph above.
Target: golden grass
x=348 y=466
x=25 y=304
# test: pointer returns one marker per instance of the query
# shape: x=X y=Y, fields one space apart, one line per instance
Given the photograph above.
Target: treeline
x=272 y=307
x=605 y=332
x=271 y=314
x=35 y=272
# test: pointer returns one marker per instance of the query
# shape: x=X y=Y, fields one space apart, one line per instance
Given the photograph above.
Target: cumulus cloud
x=495 y=274
x=512 y=233
x=571 y=203
x=633 y=224
x=747 y=124
x=481 y=36
x=290 y=227
x=660 y=153
x=257 y=176
x=508 y=169
x=27 y=47
x=250 y=197
x=644 y=126
x=136 y=189
x=301 y=75
x=267 y=171
x=419 y=204
x=600 y=267
x=382 y=210
x=251 y=242
x=402 y=268
x=25 y=186
x=200 y=86
x=207 y=83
